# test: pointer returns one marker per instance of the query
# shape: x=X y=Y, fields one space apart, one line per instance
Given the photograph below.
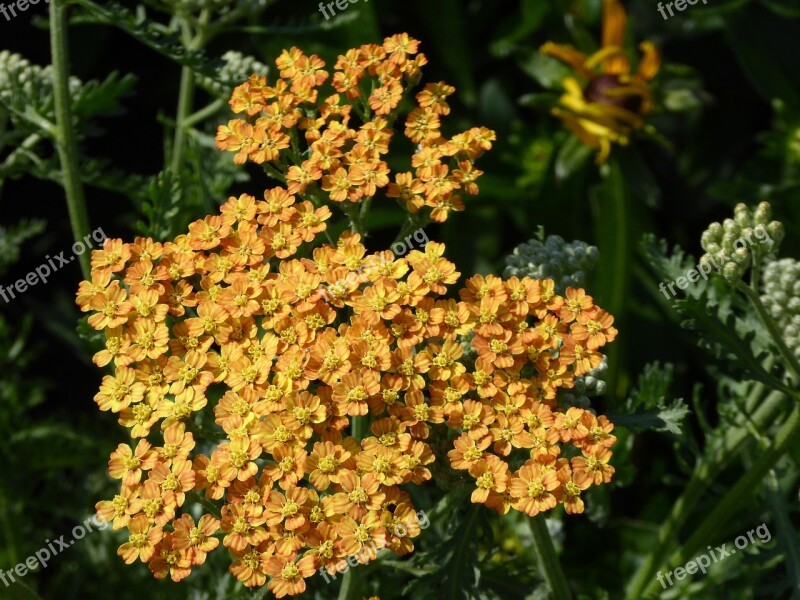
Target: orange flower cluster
x=342 y=163
x=327 y=374
x=530 y=342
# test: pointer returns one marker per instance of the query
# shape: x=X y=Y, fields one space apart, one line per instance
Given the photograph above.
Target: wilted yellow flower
x=605 y=101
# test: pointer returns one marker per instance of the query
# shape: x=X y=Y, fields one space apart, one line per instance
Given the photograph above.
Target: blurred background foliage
x=727 y=119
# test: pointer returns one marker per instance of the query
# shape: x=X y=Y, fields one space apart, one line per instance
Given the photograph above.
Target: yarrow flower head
x=328 y=142
x=606 y=100
x=254 y=355
x=733 y=246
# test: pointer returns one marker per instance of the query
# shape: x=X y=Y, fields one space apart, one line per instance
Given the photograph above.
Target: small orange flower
x=533 y=487
x=141 y=544
x=491 y=476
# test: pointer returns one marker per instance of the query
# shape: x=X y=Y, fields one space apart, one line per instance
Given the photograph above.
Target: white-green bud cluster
x=25 y=86
x=566 y=264
x=237 y=67
x=232 y=69
x=733 y=246
x=781 y=296
x=586 y=386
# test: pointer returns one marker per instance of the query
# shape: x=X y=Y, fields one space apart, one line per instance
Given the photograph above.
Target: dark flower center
x=599 y=88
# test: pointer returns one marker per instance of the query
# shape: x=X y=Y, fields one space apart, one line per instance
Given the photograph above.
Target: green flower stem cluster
x=553 y=258
x=735 y=245
x=781 y=296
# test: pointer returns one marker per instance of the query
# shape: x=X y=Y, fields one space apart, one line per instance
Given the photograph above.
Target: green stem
x=362 y=214
x=613 y=227
x=351 y=211
x=185 y=102
x=66 y=143
x=548 y=560
x=351 y=582
x=789 y=359
x=204 y=113
x=706 y=471
x=192 y=42
x=738 y=495
x=198 y=497
x=349 y=588
x=11 y=544
x=412 y=224
x=360 y=427
x=783 y=522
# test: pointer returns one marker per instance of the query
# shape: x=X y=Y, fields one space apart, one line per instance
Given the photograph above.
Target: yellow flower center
x=290 y=508
x=132 y=463
x=406 y=367
x=152 y=507
x=382 y=464
x=442 y=360
x=471 y=420
x=485 y=481
x=170 y=482
x=253 y=560
x=212 y=474
x=282 y=435
x=357 y=394
x=240 y=407
x=498 y=346
x=535 y=489
x=170 y=450
x=452 y=395
x=239 y=458
x=388 y=439
x=302 y=414
x=422 y=412
x=316 y=515
x=196 y=537
x=120 y=505
x=315 y=321
x=473 y=453
x=142 y=412
x=290 y=572
x=594 y=327
x=482 y=377
x=241 y=526
x=357 y=496
x=362 y=534
x=138 y=540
